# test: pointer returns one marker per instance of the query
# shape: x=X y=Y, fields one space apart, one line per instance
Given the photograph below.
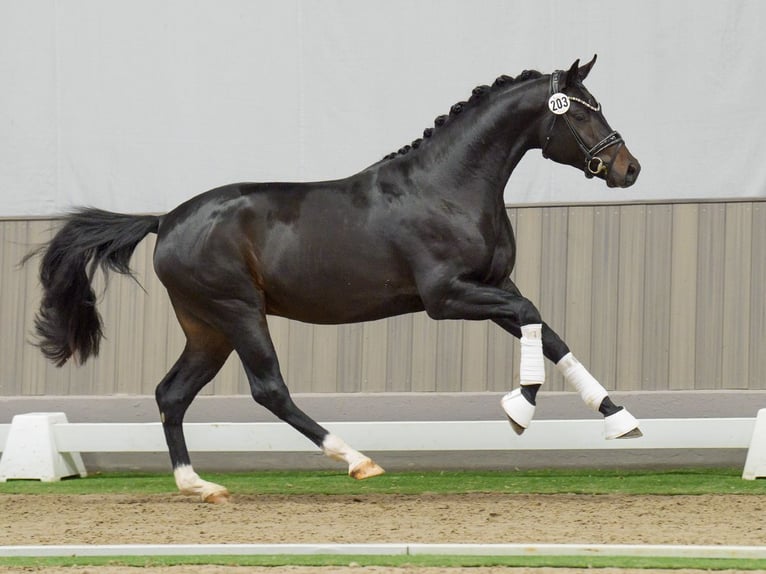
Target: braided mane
x=478 y=94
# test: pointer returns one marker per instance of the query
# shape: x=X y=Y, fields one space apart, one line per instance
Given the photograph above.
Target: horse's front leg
x=619 y=423
x=517 y=315
x=520 y=403
x=459 y=299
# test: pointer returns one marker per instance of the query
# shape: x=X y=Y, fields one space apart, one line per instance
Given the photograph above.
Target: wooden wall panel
x=473 y=374
x=735 y=323
x=710 y=281
x=449 y=353
x=350 y=344
x=683 y=297
x=757 y=332
x=374 y=356
x=656 y=298
x=630 y=298
x=649 y=297
x=324 y=375
x=14 y=293
x=399 y=356
x=604 y=296
x=423 y=353
x=579 y=283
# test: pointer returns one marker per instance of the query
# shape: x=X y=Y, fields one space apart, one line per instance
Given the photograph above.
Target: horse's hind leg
x=250 y=334
x=520 y=404
x=205 y=352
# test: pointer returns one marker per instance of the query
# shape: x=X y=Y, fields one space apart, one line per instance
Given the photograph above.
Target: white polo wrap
x=578 y=376
x=531 y=364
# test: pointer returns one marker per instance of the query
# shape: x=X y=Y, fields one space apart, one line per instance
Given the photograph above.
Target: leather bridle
x=594 y=165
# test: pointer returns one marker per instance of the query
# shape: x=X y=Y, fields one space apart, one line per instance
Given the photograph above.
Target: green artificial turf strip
x=393 y=561
x=662 y=482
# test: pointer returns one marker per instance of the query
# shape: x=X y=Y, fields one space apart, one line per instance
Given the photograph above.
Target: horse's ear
x=572 y=73
x=583 y=72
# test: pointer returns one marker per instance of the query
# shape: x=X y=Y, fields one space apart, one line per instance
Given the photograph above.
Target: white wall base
x=44 y=446
x=30 y=450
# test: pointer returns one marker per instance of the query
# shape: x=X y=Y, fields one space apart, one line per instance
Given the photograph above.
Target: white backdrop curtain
x=138 y=105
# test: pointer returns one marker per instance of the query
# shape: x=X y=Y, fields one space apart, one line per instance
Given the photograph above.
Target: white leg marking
x=334 y=447
x=190 y=483
x=578 y=376
x=359 y=465
x=532 y=363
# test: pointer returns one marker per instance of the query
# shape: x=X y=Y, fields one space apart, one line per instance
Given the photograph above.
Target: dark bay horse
x=423 y=229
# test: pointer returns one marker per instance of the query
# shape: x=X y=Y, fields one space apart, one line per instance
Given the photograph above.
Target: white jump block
x=755 y=464
x=31 y=453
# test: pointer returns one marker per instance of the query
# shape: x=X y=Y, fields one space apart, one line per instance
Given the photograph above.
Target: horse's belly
x=346 y=299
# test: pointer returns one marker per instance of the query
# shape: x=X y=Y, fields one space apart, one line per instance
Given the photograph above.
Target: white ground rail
x=392 y=549
x=45 y=446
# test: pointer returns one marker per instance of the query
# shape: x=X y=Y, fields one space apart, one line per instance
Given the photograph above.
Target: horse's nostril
x=632 y=170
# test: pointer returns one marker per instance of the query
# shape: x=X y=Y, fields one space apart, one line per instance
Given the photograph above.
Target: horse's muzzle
x=623 y=169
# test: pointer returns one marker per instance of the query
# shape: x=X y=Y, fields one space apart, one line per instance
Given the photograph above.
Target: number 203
x=559 y=104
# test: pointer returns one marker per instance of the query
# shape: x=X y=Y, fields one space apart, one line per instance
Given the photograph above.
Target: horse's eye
x=580 y=116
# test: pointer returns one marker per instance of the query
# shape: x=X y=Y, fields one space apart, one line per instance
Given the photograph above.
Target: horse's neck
x=476 y=154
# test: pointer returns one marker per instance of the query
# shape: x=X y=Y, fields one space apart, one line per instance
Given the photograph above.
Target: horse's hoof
x=635 y=433
x=365 y=469
x=621 y=424
x=517 y=428
x=217 y=497
x=518 y=410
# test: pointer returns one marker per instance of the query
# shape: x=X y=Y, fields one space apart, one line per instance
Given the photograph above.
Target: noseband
x=594 y=165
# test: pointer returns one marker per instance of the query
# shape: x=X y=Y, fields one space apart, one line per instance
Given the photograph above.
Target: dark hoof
x=517 y=428
x=635 y=433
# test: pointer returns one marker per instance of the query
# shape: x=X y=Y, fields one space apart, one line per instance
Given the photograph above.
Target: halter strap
x=593 y=164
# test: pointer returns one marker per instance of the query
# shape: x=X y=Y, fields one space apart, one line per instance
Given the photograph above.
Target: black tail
x=68 y=321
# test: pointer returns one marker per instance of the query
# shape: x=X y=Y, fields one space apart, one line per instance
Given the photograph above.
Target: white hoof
x=621 y=424
x=518 y=410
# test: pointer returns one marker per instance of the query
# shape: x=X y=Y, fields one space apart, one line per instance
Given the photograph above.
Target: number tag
x=558 y=103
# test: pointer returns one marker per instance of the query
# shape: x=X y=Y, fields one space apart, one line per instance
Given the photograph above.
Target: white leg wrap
x=532 y=364
x=189 y=482
x=334 y=447
x=578 y=376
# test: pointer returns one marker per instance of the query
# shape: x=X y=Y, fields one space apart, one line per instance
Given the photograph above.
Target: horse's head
x=577 y=133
